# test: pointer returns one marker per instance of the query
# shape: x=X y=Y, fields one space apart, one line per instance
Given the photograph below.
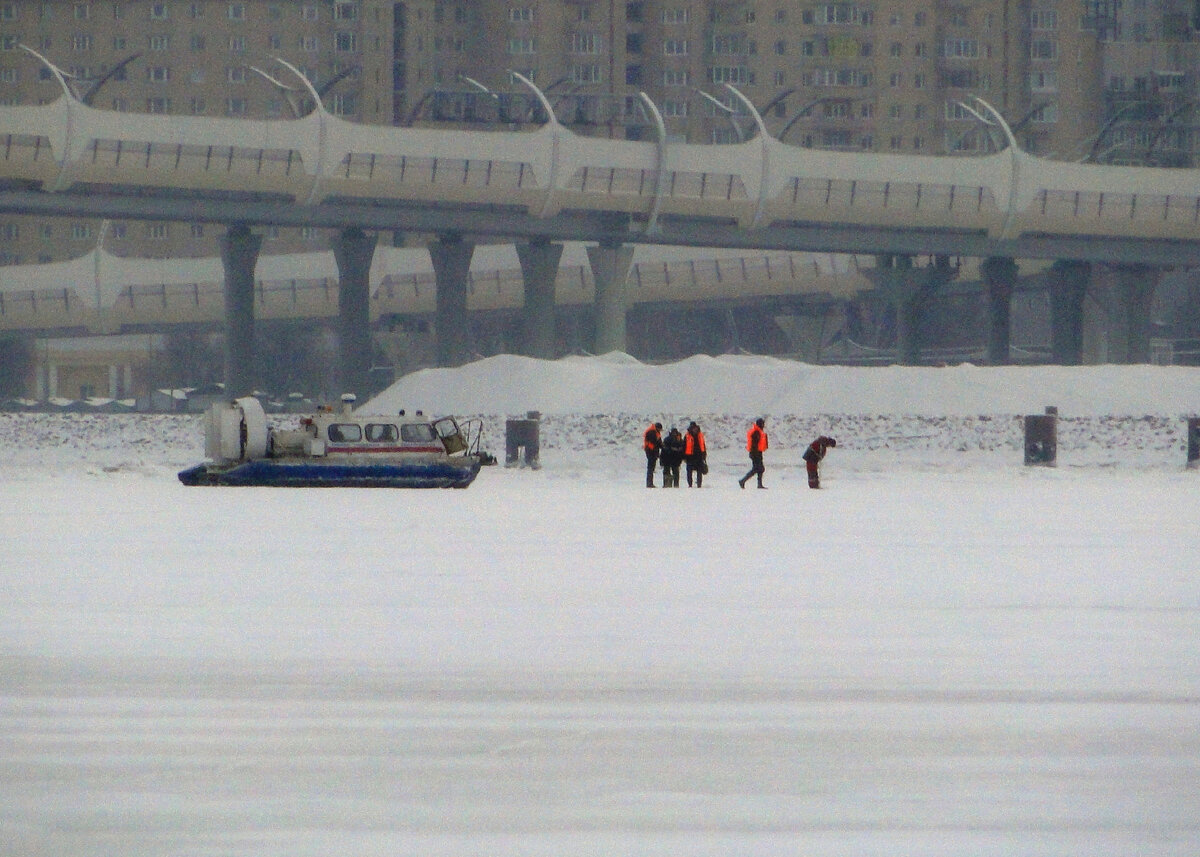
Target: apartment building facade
x=875 y=76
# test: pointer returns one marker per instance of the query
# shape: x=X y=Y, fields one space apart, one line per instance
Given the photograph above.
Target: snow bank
x=617 y=383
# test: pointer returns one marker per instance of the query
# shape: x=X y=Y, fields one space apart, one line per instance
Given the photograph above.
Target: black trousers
x=651 y=463
x=756 y=467
x=695 y=467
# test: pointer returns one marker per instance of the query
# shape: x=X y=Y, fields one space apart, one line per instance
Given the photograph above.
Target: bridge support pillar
x=539 y=268
x=1068 y=281
x=1134 y=294
x=353 y=249
x=910 y=289
x=1000 y=278
x=239 y=256
x=451 y=257
x=610 y=268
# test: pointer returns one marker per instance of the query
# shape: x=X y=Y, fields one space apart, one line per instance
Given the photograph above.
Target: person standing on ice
x=672 y=457
x=652 y=444
x=756 y=445
x=695 y=452
x=812 y=458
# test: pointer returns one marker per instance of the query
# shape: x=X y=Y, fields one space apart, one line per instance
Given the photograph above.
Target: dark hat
x=760 y=422
x=658 y=425
x=832 y=442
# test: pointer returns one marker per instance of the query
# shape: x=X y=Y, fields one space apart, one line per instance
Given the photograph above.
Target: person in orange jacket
x=652 y=444
x=756 y=445
x=695 y=453
x=812 y=458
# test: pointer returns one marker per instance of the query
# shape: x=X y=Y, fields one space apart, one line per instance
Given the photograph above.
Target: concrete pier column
x=353 y=249
x=1000 y=277
x=1134 y=294
x=539 y=269
x=239 y=256
x=451 y=256
x=910 y=289
x=1068 y=281
x=610 y=268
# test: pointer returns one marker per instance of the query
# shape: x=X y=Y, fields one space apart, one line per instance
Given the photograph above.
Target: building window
x=585 y=43
x=675 y=107
x=675 y=16
x=236 y=12
x=235 y=74
x=197 y=230
x=158 y=11
x=522 y=46
x=81 y=42
x=158 y=74
x=195 y=10
x=158 y=231
x=1043 y=81
x=586 y=73
x=730 y=74
x=198 y=106
x=345 y=42
x=310 y=43
x=345 y=11
x=160 y=43
x=676 y=78
x=81 y=231
x=237 y=44
x=675 y=47
x=1043 y=19
x=522 y=15
x=82 y=11
x=1043 y=49
x=235 y=107
x=196 y=43
x=960 y=49
x=308 y=13
x=1046 y=114
x=158 y=105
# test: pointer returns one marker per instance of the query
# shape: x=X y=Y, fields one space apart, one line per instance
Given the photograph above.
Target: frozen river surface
x=992 y=661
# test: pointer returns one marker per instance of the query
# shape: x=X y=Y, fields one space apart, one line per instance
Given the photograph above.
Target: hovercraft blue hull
x=326 y=474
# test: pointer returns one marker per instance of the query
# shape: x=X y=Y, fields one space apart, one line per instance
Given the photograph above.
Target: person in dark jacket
x=812 y=458
x=695 y=452
x=652 y=444
x=756 y=445
x=672 y=457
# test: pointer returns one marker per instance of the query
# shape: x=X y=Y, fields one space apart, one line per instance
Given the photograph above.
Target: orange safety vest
x=652 y=439
x=750 y=442
x=693 y=443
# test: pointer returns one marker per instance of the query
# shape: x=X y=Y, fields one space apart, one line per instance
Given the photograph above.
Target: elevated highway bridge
x=541 y=187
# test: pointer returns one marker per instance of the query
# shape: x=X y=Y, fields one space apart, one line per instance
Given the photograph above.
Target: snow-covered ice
x=941 y=653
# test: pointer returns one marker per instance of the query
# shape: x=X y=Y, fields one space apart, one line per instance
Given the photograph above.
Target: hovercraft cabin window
x=345 y=433
x=381 y=433
x=417 y=433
